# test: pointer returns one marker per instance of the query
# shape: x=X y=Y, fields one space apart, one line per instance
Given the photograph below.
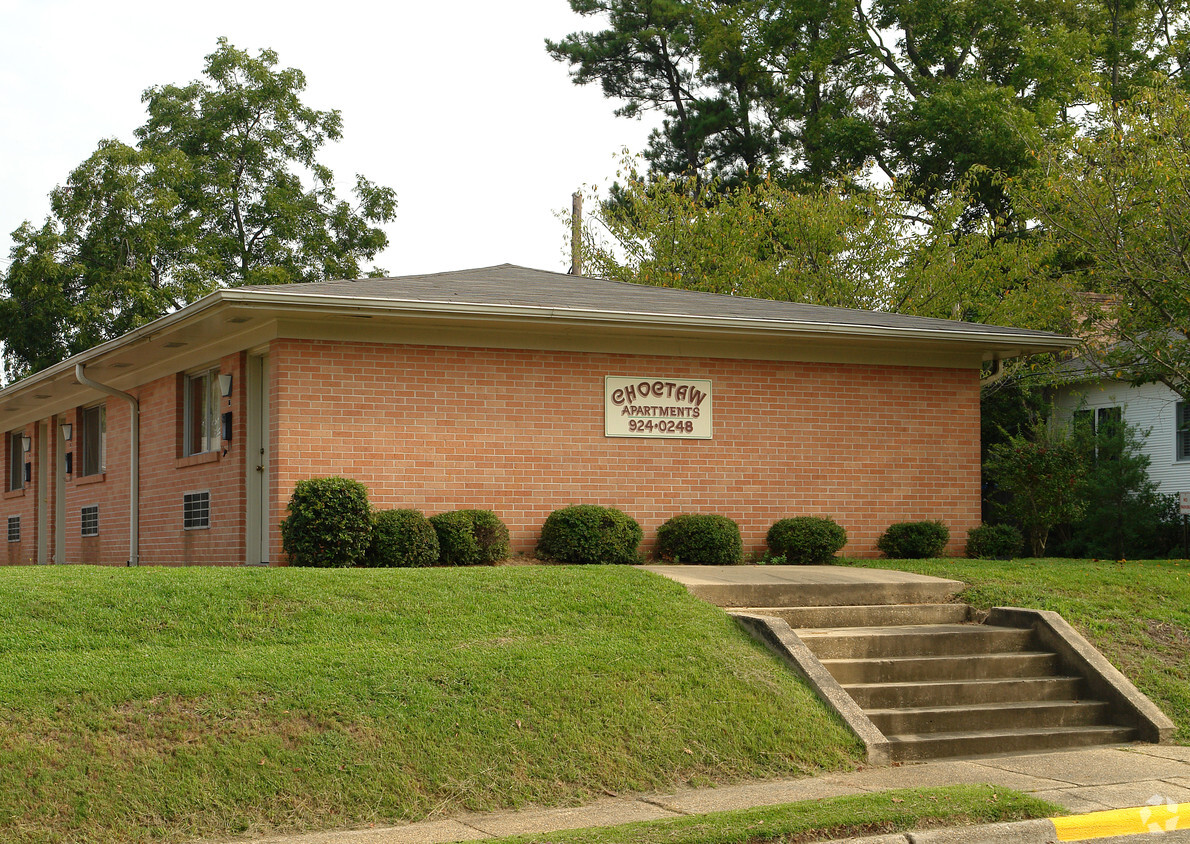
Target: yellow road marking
x=1164 y=817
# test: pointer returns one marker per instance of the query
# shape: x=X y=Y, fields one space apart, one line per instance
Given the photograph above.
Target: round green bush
x=806 y=540
x=700 y=539
x=913 y=540
x=470 y=537
x=329 y=523
x=994 y=542
x=588 y=533
x=402 y=539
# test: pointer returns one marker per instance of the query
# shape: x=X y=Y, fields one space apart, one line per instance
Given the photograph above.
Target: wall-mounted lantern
x=26 y=444
x=67 y=429
x=225 y=384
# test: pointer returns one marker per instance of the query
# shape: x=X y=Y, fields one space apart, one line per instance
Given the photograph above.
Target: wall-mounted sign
x=656 y=407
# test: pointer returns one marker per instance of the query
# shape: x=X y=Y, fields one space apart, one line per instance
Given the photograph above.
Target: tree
x=1042 y=473
x=838 y=245
x=214 y=194
x=1117 y=202
x=929 y=93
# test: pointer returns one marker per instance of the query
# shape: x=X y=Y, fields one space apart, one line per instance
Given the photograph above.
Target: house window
x=1098 y=426
x=14 y=528
x=90 y=520
x=196 y=510
x=16 y=460
x=1182 y=432
x=202 y=432
x=93 y=439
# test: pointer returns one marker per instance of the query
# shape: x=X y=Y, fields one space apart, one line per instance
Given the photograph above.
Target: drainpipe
x=133 y=461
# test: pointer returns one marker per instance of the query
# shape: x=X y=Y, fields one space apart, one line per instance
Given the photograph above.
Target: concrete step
x=934 y=668
x=909 y=747
x=868 y=615
x=913 y=640
x=809 y=586
x=991 y=716
x=963 y=692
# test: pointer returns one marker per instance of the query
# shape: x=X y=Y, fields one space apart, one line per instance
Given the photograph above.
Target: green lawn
x=820 y=820
x=1137 y=612
x=162 y=704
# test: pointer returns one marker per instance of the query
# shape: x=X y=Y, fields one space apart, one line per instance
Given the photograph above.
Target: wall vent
x=90 y=520
x=196 y=510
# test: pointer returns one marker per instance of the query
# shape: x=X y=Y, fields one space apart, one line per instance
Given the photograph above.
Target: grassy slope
x=1136 y=613
x=164 y=703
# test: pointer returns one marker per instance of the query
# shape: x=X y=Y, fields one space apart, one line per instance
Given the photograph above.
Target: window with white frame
x=14 y=528
x=89 y=517
x=93 y=439
x=1182 y=432
x=16 y=460
x=201 y=413
x=1099 y=425
x=196 y=510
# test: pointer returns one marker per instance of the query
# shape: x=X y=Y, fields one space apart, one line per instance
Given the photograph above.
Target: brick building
x=504 y=388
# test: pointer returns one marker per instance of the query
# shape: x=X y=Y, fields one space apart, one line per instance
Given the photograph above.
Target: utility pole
x=576 y=233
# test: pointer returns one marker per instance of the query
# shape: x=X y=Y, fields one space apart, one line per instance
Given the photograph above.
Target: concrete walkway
x=1081 y=780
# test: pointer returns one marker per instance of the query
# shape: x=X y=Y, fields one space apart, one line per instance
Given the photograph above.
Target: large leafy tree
x=933 y=94
x=1116 y=201
x=836 y=245
x=223 y=188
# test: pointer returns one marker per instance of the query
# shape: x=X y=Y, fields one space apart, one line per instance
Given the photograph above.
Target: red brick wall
x=165 y=477
x=521 y=433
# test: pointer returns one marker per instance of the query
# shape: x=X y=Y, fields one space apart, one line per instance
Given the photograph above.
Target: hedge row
x=330 y=523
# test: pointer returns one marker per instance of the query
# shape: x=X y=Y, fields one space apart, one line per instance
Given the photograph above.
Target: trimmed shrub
x=994 y=542
x=402 y=539
x=806 y=540
x=700 y=539
x=588 y=533
x=470 y=537
x=913 y=540
x=329 y=523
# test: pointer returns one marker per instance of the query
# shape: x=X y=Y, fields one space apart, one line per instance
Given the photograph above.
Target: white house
x=1156 y=411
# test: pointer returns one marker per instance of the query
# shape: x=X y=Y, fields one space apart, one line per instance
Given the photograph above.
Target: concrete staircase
x=935 y=683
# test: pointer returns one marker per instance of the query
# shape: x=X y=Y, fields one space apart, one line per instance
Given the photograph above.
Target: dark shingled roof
x=510 y=285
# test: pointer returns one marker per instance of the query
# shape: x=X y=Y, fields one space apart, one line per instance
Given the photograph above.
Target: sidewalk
x=1082 y=781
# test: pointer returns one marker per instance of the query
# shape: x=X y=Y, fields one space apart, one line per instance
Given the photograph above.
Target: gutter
x=133 y=460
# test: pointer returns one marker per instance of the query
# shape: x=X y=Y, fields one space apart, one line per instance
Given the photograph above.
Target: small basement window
x=14 y=528
x=90 y=520
x=196 y=510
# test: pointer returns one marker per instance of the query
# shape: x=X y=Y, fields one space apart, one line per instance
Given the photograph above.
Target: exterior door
x=60 y=493
x=43 y=493
x=258 y=516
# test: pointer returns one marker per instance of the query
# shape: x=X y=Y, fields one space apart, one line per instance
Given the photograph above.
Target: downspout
x=133 y=461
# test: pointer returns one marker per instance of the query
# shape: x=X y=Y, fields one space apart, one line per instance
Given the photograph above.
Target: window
x=1182 y=432
x=202 y=432
x=93 y=439
x=14 y=528
x=90 y=520
x=196 y=510
x=1099 y=426
x=16 y=460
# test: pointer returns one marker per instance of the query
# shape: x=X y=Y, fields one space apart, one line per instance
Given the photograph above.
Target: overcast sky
x=454 y=104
